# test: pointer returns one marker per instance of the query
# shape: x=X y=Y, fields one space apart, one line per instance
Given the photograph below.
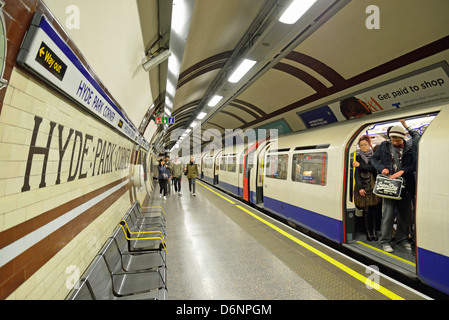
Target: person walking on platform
x=169 y=167
x=177 y=174
x=163 y=178
x=395 y=159
x=192 y=174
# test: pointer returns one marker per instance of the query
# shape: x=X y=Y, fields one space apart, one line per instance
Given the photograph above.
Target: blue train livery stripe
x=229 y=187
x=208 y=179
x=322 y=225
x=433 y=269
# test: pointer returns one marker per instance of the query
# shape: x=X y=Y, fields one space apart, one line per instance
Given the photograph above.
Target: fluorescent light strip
x=213 y=102
x=167 y=112
x=241 y=70
x=296 y=11
x=201 y=115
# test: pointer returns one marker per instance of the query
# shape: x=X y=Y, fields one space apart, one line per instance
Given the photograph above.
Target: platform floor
x=218 y=248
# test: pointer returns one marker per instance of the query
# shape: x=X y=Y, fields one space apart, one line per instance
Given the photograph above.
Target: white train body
x=314 y=189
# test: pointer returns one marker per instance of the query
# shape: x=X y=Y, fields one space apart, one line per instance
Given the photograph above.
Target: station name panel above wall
x=45 y=54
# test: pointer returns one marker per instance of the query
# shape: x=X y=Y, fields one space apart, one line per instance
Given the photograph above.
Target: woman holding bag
x=365 y=177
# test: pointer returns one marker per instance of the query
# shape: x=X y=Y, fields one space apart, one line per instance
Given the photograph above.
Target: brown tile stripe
x=18 y=270
x=15 y=233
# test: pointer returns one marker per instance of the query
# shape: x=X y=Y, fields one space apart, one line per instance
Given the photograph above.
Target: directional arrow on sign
x=41 y=51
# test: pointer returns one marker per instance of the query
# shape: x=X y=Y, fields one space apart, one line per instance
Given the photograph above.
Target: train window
x=310 y=168
x=222 y=163
x=231 y=164
x=276 y=166
x=208 y=163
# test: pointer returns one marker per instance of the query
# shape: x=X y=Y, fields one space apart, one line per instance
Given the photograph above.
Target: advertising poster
x=423 y=87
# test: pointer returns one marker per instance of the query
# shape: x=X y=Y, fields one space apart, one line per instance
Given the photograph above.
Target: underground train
x=305 y=178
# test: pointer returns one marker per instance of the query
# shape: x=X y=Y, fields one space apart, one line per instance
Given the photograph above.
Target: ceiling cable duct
x=156 y=58
x=266 y=14
x=276 y=42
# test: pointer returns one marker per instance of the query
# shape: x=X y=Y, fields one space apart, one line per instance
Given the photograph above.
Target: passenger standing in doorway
x=192 y=174
x=177 y=174
x=415 y=142
x=163 y=178
x=365 y=176
x=395 y=159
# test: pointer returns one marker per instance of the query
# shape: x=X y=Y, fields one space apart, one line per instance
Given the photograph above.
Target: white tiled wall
x=25 y=99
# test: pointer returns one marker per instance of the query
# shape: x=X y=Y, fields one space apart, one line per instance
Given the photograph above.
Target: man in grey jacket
x=394 y=158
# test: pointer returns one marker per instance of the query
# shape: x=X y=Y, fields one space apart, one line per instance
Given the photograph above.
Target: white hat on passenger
x=398 y=131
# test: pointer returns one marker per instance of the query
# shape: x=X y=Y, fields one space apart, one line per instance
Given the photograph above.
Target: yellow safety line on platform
x=336 y=263
x=216 y=193
x=324 y=256
x=387 y=253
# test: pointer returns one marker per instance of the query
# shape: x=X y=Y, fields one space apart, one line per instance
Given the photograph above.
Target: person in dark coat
x=163 y=178
x=365 y=176
x=384 y=162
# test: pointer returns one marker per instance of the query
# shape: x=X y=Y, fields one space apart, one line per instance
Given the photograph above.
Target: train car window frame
x=280 y=164
x=231 y=167
x=301 y=169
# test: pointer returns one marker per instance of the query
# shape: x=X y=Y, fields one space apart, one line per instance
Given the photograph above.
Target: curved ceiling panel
x=327 y=54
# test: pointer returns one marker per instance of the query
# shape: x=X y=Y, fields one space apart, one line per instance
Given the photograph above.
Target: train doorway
x=362 y=227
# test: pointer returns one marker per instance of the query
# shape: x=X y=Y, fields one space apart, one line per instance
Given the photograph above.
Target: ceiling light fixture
x=156 y=58
x=167 y=112
x=295 y=11
x=213 y=102
x=241 y=70
x=201 y=115
x=193 y=125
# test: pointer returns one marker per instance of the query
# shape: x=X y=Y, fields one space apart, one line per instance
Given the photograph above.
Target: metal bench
x=151 y=215
x=148 y=278
x=81 y=291
x=100 y=283
x=131 y=264
x=143 y=241
x=135 y=226
x=143 y=261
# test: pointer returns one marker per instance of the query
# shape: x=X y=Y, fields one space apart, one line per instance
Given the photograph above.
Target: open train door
x=355 y=221
x=240 y=159
x=216 y=168
x=248 y=164
x=262 y=149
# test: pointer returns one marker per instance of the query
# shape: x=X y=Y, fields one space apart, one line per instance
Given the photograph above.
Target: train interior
x=401 y=259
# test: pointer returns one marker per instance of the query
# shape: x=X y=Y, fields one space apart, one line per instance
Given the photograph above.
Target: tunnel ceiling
x=329 y=53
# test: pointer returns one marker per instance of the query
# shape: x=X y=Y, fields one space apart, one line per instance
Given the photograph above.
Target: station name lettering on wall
x=107 y=156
